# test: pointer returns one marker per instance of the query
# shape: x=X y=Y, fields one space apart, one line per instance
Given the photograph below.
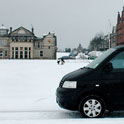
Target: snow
x=34 y=82
x=27 y=93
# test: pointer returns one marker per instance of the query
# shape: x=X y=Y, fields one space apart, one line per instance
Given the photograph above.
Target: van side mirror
x=108 y=67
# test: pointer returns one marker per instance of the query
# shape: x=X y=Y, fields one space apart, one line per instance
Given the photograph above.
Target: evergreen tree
x=80 y=48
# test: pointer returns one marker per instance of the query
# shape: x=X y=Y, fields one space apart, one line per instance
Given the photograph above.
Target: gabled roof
x=21 y=31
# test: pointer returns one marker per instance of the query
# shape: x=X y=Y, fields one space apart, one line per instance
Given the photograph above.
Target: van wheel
x=92 y=107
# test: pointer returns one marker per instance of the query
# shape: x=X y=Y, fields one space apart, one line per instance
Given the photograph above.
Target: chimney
x=119 y=18
x=32 y=29
x=10 y=29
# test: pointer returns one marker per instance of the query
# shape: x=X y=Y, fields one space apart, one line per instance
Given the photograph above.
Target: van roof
x=119 y=47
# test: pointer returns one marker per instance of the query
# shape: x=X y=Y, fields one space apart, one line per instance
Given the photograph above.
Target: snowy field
x=27 y=94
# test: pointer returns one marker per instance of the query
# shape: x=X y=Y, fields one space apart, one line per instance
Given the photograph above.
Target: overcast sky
x=73 y=21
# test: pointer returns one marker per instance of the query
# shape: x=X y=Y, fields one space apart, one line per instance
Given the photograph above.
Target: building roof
x=3 y=27
x=22 y=31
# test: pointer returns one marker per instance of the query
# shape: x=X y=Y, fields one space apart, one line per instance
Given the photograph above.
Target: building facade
x=23 y=44
x=120 y=29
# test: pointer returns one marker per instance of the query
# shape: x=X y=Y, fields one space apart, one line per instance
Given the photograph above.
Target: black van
x=95 y=88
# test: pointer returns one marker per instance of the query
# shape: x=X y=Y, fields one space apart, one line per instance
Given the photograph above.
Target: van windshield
x=98 y=60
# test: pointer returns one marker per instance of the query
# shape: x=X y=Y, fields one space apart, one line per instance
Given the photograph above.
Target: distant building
x=23 y=44
x=113 y=37
x=120 y=29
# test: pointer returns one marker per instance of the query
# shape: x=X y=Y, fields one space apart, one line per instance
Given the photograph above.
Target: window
x=16 y=48
x=21 y=48
x=3 y=32
x=16 y=54
x=26 y=53
x=29 y=55
x=41 y=53
x=100 y=59
x=12 y=38
x=21 y=54
x=5 y=53
x=26 y=38
x=1 y=53
x=21 y=38
x=29 y=39
x=118 y=61
x=26 y=56
x=16 y=39
x=38 y=44
x=26 y=48
x=12 y=54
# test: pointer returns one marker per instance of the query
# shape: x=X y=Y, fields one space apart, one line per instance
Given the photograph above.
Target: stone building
x=120 y=29
x=4 y=43
x=23 y=44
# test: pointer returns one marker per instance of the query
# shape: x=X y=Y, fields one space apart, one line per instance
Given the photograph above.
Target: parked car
x=95 y=88
x=92 y=57
x=73 y=54
x=66 y=57
x=94 y=54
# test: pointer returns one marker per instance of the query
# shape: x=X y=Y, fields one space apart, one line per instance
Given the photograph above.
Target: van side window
x=118 y=61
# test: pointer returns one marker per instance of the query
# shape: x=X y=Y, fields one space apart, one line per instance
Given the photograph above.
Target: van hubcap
x=92 y=108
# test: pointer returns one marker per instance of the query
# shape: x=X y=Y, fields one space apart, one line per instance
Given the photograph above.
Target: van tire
x=92 y=107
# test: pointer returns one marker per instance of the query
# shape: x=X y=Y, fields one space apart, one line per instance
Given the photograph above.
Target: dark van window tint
x=118 y=61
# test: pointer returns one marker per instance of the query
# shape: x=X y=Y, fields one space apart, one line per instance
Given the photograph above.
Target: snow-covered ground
x=27 y=93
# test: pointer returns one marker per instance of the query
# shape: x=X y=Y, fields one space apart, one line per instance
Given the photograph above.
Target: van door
x=114 y=80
